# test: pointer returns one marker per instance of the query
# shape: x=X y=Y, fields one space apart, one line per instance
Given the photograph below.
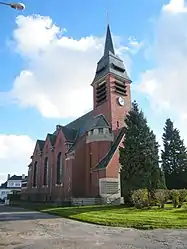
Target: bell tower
x=111 y=86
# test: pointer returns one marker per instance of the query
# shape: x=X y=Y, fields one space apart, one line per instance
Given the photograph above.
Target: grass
x=125 y=217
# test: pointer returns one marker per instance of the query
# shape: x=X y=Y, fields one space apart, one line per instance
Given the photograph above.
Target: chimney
x=8 y=177
x=23 y=176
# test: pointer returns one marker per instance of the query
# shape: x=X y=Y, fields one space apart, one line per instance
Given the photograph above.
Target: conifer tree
x=174 y=157
x=139 y=156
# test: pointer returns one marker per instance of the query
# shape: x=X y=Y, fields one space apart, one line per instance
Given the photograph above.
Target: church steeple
x=111 y=86
x=110 y=63
x=108 y=43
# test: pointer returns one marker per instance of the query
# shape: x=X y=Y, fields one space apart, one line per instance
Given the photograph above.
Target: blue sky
x=44 y=71
x=80 y=19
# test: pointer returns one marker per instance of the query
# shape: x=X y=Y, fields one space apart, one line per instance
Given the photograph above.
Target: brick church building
x=81 y=159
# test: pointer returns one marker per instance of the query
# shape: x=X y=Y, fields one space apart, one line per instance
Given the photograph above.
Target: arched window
x=46 y=168
x=34 y=175
x=59 y=169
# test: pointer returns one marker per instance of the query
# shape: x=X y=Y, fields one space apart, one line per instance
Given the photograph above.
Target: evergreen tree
x=139 y=157
x=174 y=157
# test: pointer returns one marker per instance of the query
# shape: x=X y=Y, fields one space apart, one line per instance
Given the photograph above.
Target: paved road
x=20 y=229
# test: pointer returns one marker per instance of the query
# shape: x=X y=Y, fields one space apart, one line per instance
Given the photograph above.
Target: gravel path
x=20 y=229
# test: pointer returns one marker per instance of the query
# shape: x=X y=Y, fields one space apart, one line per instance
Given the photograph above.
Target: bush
x=152 y=198
x=140 y=198
x=162 y=196
x=182 y=197
x=175 y=197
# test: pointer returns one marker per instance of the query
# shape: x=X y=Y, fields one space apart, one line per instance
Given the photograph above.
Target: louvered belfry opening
x=101 y=93
x=120 y=88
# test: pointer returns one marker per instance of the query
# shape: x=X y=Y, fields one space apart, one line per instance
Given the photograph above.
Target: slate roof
x=110 y=63
x=3 y=185
x=15 y=178
x=70 y=134
x=80 y=122
x=52 y=138
x=105 y=161
x=108 y=43
x=78 y=127
x=41 y=144
x=98 y=121
x=88 y=123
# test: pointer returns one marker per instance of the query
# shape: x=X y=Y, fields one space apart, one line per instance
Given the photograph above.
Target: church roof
x=70 y=134
x=80 y=122
x=52 y=138
x=78 y=127
x=86 y=123
x=98 y=121
x=41 y=144
x=110 y=63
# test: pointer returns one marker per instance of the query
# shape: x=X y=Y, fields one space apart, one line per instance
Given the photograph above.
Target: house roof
x=14 y=177
x=3 y=185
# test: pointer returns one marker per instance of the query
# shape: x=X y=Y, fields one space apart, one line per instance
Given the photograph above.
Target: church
x=80 y=161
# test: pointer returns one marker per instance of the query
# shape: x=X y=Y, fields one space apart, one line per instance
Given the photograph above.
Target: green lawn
x=125 y=217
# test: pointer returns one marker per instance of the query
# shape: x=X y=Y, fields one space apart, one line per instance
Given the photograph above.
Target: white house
x=13 y=183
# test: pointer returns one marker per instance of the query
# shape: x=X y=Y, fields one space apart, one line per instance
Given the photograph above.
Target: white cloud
x=15 y=152
x=59 y=68
x=166 y=84
x=175 y=6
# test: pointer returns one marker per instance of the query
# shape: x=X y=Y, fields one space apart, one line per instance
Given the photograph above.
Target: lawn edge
x=141 y=228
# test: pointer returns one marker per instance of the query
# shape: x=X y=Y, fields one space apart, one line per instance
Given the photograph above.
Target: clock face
x=121 y=101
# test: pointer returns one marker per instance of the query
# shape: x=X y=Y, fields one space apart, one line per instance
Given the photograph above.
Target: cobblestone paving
x=20 y=229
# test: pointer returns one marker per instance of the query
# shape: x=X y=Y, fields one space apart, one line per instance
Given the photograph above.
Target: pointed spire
x=108 y=43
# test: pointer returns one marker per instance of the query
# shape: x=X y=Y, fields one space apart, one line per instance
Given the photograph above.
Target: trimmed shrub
x=140 y=198
x=162 y=196
x=152 y=198
x=175 y=197
x=182 y=197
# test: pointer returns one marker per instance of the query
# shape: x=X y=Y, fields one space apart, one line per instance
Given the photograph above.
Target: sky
x=48 y=57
